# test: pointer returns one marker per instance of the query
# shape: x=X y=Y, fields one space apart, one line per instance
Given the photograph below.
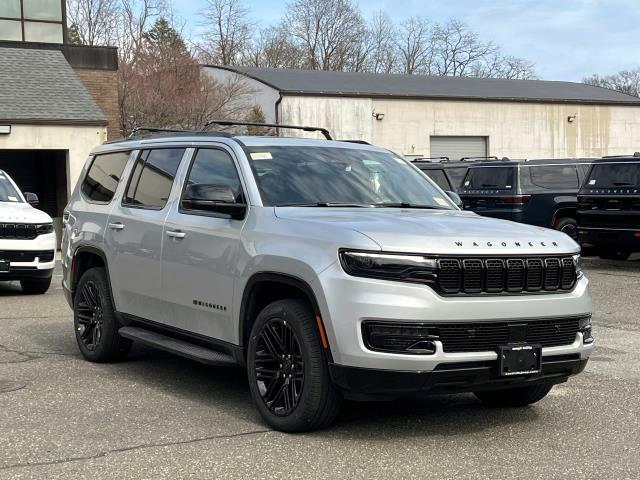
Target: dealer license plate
x=519 y=359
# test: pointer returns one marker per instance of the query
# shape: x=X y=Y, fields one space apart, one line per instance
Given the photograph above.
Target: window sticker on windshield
x=440 y=201
x=261 y=156
x=507 y=187
x=466 y=184
x=592 y=182
x=12 y=199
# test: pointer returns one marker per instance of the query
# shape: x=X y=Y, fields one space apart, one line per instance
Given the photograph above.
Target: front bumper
x=454 y=378
x=346 y=302
x=28 y=258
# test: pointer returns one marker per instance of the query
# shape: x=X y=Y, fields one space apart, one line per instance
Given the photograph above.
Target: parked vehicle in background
x=327 y=269
x=536 y=192
x=27 y=240
x=609 y=207
x=447 y=174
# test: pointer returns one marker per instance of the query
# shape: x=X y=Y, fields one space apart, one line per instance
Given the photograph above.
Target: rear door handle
x=116 y=226
x=176 y=234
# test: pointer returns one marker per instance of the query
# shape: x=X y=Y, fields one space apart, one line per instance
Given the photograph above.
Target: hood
x=437 y=231
x=11 y=212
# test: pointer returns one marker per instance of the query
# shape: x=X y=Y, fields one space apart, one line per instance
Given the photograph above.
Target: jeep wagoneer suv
x=326 y=269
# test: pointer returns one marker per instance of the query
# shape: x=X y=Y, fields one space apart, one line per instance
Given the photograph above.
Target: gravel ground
x=159 y=416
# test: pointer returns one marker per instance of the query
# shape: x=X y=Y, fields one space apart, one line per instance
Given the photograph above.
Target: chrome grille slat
x=495 y=275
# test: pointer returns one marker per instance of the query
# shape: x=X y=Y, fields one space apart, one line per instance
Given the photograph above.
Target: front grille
x=44 y=256
x=478 y=337
x=22 y=231
x=505 y=275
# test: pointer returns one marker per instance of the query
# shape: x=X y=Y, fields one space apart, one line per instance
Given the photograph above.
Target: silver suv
x=326 y=269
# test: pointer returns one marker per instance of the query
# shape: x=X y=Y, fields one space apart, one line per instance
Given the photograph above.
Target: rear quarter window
x=103 y=176
x=490 y=178
x=554 y=177
x=439 y=177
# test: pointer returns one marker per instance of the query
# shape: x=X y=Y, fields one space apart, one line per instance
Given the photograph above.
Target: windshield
x=610 y=175
x=8 y=192
x=320 y=176
x=493 y=178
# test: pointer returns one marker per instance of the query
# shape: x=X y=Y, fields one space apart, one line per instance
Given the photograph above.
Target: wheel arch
x=266 y=287
x=84 y=258
x=563 y=212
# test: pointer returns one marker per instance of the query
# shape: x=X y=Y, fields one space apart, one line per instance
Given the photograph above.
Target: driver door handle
x=116 y=226
x=176 y=234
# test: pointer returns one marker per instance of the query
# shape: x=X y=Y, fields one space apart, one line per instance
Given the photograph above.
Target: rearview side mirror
x=455 y=198
x=213 y=198
x=31 y=198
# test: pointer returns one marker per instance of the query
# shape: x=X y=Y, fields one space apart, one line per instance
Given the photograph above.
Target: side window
x=152 y=177
x=99 y=185
x=213 y=169
x=439 y=177
x=560 y=177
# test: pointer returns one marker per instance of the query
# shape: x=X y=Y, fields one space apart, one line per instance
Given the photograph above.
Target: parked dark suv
x=609 y=207
x=447 y=174
x=536 y=192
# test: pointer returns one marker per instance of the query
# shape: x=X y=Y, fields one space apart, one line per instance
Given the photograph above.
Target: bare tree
x=229 y=33
x=499 y=66
x=625 y=81
x=329 y=32
x=94 y=22
x=415 y=46
x=382 y=35
x=274 y=48
x=459 y=51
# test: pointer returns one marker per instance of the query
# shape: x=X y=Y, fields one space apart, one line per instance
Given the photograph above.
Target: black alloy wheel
x=95 y=320
x=279 y=367
x=90 y=315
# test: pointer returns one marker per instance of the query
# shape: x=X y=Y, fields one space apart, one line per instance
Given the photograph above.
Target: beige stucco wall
x=77 y=140
x=514 y=129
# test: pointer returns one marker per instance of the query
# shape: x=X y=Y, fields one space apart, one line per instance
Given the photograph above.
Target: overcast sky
x=567 y=39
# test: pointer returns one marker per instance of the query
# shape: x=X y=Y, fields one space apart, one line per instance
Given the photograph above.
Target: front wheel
x=288 y=371
x=568 y=226
x=35 y=286
x=514 y=397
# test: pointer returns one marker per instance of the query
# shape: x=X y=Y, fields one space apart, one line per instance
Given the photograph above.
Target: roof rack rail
x=428 y=159
x=492 y=157
x=361 y=142
x=136 y=130
x=635 y=154
x=231 y=123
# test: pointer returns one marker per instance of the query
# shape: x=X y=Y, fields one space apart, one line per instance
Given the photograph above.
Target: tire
x=95 y=321
x=302 y=377
x=514 y=397
x=569 y=226
x=35 y=286
x=615 y=255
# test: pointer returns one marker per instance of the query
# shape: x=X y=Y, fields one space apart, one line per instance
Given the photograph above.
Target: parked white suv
x=327 y=269
x=27 y=240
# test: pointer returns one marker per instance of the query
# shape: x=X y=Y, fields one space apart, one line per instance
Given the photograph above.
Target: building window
x=32 y=20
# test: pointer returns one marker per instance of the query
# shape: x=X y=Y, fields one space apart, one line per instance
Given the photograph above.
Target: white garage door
x=458 y=147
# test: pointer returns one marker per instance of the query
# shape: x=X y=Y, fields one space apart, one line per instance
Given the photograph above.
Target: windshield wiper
x=325 y=204
x=408 y=205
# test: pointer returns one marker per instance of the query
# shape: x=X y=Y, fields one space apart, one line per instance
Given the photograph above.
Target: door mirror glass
x=31 y=198
x=455 y=198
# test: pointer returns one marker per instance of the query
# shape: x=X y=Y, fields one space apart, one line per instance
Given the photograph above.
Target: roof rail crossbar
x=493 y=157
x=232 y=123
x=136 y=130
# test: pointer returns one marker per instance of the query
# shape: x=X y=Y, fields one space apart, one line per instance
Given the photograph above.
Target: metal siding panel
x=457 y=147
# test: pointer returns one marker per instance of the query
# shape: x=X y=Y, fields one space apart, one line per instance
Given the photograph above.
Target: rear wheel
x=35 y=286
x=95 y=320
x=514 y=397
x=288 y=371
x=569 y=226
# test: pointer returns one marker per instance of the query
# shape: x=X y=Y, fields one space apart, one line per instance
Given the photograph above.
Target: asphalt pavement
x=159 y=416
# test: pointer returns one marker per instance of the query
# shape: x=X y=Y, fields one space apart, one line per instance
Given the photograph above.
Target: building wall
x=514 y=129
x=77 y=140
x=103 y=87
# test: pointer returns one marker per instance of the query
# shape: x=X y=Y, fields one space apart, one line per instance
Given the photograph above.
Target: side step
x=178 y=347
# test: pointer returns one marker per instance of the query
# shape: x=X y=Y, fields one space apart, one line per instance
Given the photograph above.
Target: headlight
x=577 y=262
x=416 y=268
x=44 y=228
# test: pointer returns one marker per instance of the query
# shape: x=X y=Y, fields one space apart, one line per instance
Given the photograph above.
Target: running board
x=178 y=347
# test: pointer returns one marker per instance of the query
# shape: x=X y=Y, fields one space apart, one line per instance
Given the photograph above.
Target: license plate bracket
x=519 y=359
x=4 y=266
